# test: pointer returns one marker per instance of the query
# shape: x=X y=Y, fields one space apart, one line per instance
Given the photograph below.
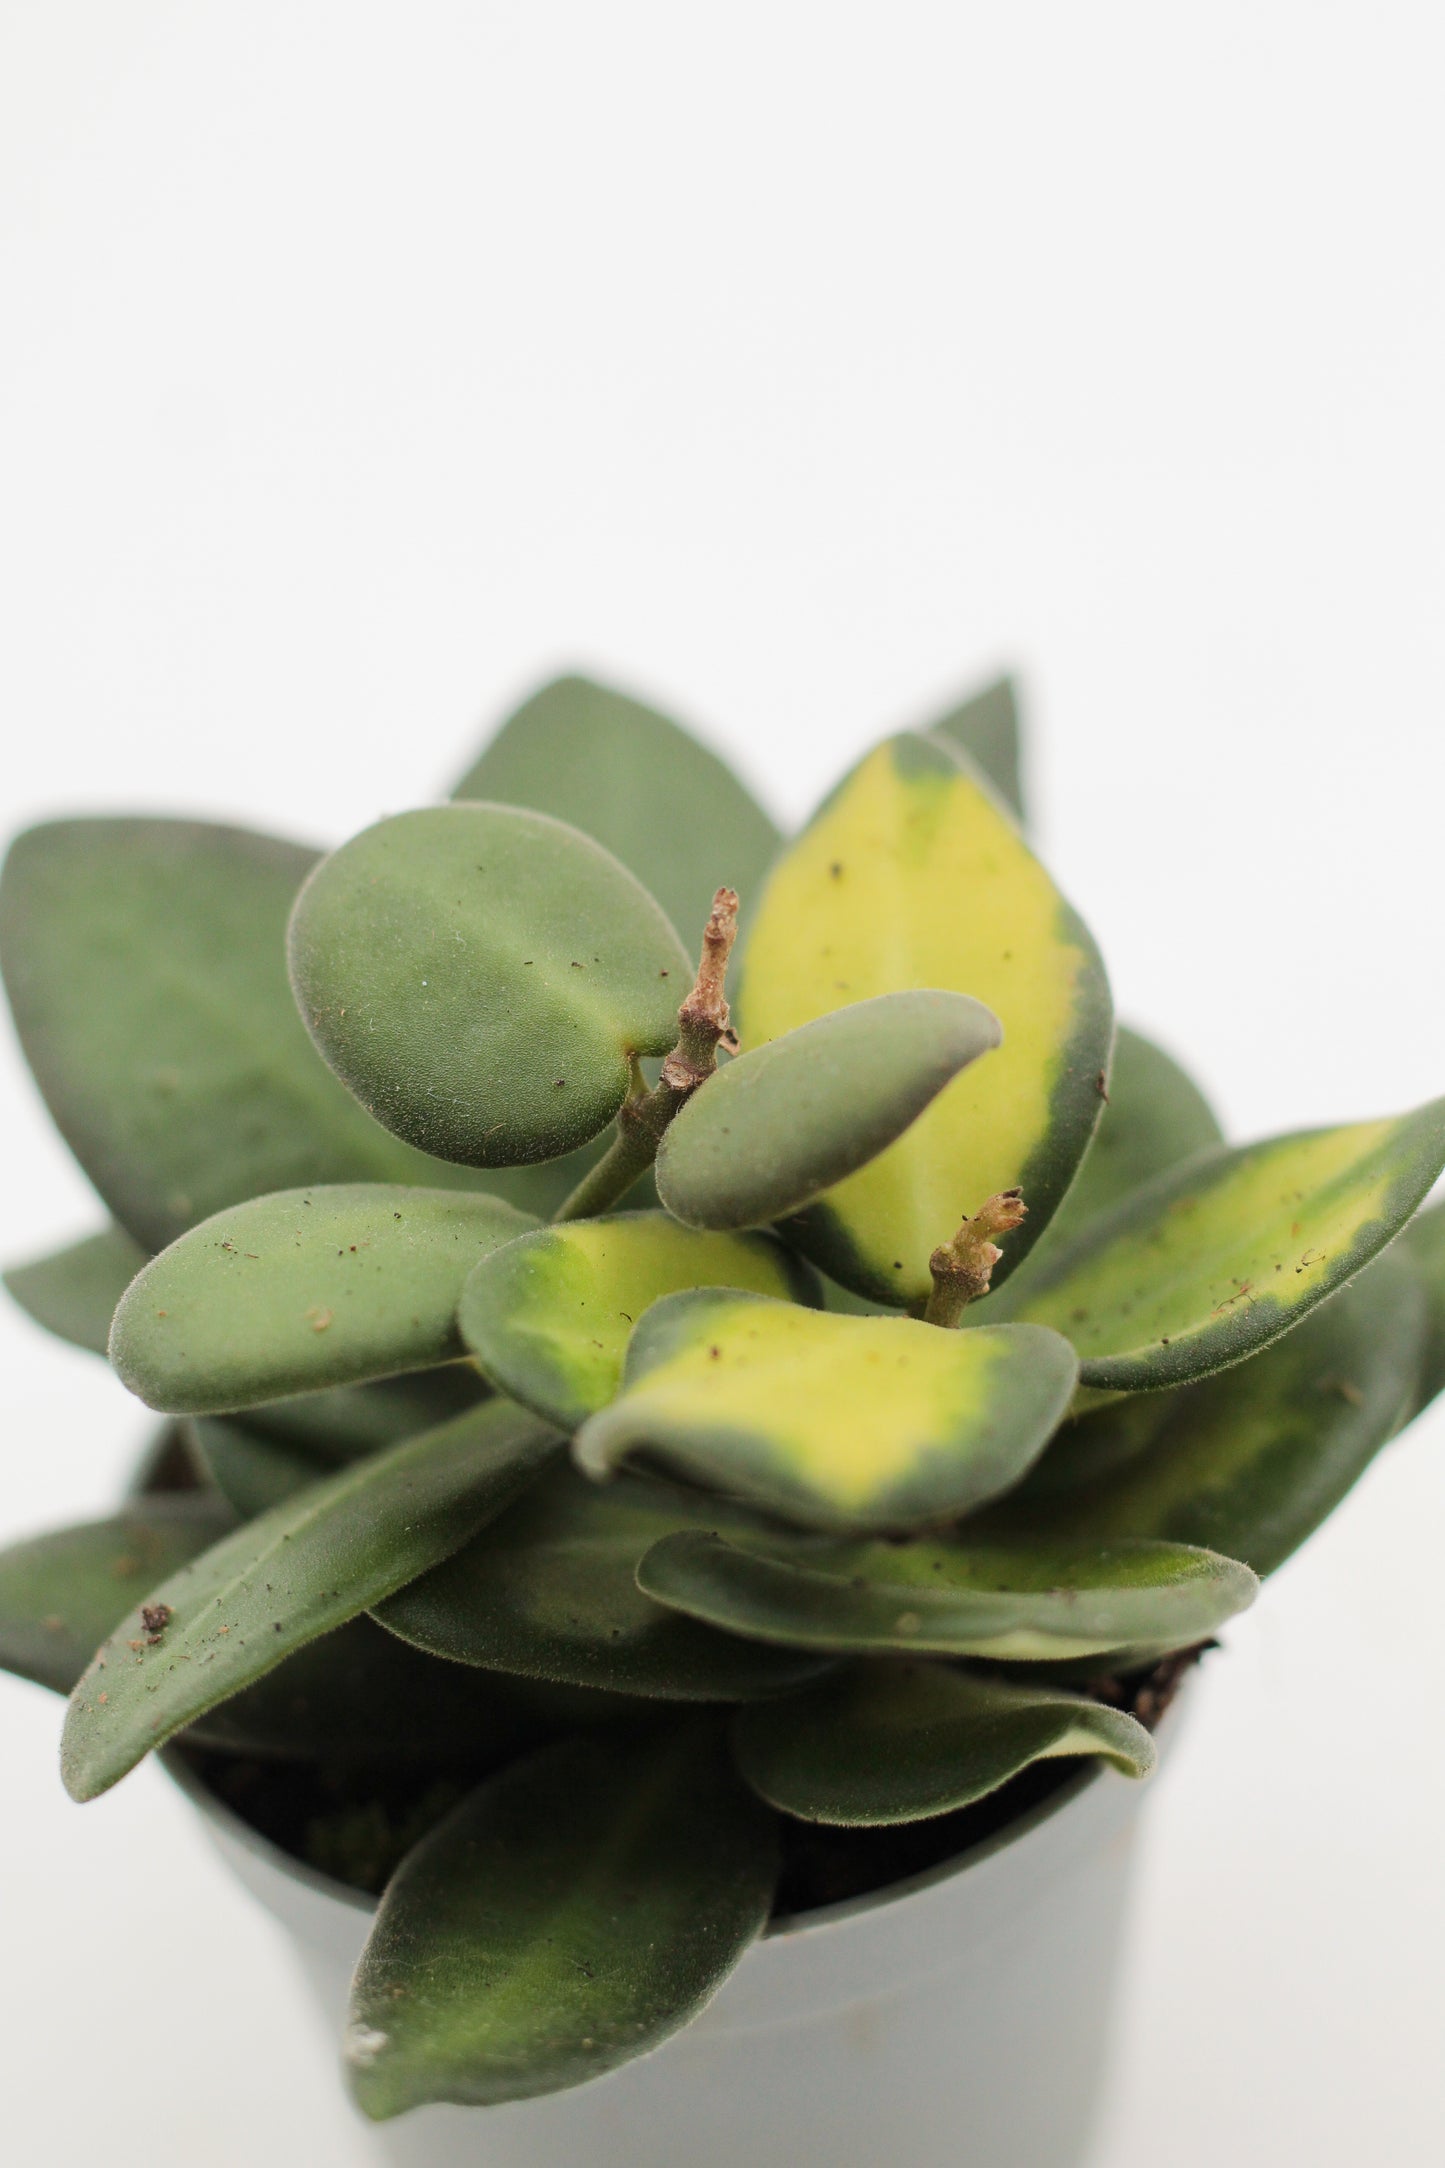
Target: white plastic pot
x=959 y=2020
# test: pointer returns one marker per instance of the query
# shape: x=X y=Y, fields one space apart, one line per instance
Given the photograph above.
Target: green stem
x=640 y=1127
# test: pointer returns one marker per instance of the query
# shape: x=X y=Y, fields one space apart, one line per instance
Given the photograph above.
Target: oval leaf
x=310 y=1564
x=892 y=1742
x=251 y=1471
x=74 y=1291
x=835 y=1422
x=1028 y=1603
x=986 y=729
x=551 y=1593
x=146 y=965
x=548 y=1316
x=1251 y=1461
x=346 y=1422
x=311 y=1288
x=1220 y=1256
x=568 y=1916
x=909 y=876
x=482 y=978
x=773 y=1129
x=673 y=813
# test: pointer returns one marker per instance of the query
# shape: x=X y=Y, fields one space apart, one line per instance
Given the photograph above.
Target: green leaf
x=307 y=1289
x=308 y=1565
x=146 y=965
x=910 y=875
x=251 y=1471
x=893 y=1741
x=482 y=979
x=1424 y=1241
x=1156 y=1117
x=347 y=1422
x=73 y=1292
x=838 y=1422
x=548 y=1316
x=773 y=1129
x=1253 y=1460
x=1025 y=1603
x=62 y=1592
x=986 y=728
x=565 y=1918
x=1220 y=1256
x=673 y=813
x=551 y=1593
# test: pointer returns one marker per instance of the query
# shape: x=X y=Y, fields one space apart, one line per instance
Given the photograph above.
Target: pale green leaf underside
x=550 y=1592
x=1218 y=1257
x=308 y=1565
x=549 y=1315
x=73 y=1292
x=481 y=976
x=565 y=1918
x=673 y=812
x=888 y=1742
x=308 y=1289
x=786 y=1120
x=833 y=1422
x=1026 y=1603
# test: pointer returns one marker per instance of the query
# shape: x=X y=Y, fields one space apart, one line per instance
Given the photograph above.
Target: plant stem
x=703 y=1026
x=963 y=1268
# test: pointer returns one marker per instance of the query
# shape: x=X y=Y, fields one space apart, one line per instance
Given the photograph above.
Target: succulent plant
x=617 y=1452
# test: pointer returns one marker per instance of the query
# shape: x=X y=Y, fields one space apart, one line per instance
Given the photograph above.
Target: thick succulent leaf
x=986 y=728
x=910 y=875
x=835 y=1422
x=481 y=978
x=251 y=1471
x=74 y=1291
x=1252 y=1461
x=551 y=1592
x=1026 y=1603
x=569 y=1915
x=673 y=813
x=1156 y=1116
x=772 y=1130
x=308 y=1565
x=1424 y=1240
x=347 y=1422
x=146 y=965
x=894 y=1741
x=62 y=1592
x=548 y=1316
x=311 y=1288
x=1220 y=1256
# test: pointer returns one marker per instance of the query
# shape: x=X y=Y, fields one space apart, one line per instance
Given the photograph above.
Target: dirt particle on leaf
x=155 y=1617
x=319 y=1317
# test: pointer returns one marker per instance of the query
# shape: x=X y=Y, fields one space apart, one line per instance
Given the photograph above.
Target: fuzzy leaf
x=911 y=876
x=1025 y=1603
x=346 y=1422
x=1220 y=1256
x=73 y=1292
x=892 y=1741
x=568 y=1916
x=1251 y=1461
x=309 y=1565
x=551 y=1593
x=481 y=977
x=773 y=1129
x=251 y=1471
x=986 y=728
x=837 y=1422
x=62 y=1592
x=673 y=813
x=307 y=1289
x=548 y=1316
x=1424 y=1241
x=146 y=965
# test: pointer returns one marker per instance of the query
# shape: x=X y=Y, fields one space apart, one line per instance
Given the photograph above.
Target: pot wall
x=960 y=2021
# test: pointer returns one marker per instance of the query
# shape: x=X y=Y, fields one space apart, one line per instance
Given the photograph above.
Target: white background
x=795 y=364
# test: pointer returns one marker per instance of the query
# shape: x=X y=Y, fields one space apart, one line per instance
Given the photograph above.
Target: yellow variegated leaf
x=911 y=875
x=847 y=1423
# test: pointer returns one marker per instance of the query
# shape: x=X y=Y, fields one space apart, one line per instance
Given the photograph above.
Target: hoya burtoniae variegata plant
x=654 y=1443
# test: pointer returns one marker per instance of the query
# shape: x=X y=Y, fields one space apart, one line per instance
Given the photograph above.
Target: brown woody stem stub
x=963 y=1268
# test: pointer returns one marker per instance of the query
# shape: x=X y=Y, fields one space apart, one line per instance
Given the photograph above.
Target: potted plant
x=681 y=1499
